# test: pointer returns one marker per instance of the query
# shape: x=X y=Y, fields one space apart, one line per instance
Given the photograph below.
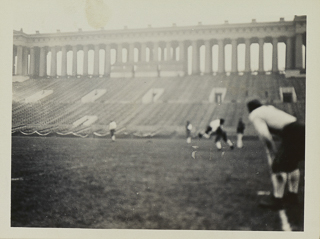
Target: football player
x=112 y=128
x=267 y=121
x=188 y=131
x=216 y=127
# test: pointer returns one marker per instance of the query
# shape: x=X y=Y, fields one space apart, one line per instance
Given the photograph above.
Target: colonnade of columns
x=33 y=61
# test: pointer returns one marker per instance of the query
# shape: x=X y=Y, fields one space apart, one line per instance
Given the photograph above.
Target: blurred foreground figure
x=268 y=120
x=240 y=130
x=216 y=127
x=112 y=128
x=188 y=131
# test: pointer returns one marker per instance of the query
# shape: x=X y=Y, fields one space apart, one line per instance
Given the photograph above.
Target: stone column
x=19 y=60
x=305 y=56
x=208 y=58
x=181 y=51
x=64 y=61
x=289 y=53
x=143 y=52
x=85 y=60
x=128 y=53
x=32 y=62
x=53 y=61
x=14 y=53
x=119 y=54
x=298 y=52
x=162 y=53
x=261 y=63
x=195 y=58
x=275 y=55
x=247 y=67
x=150 y=53
x=46 y=62
x=234 y=62
x=169 y=54
x=74 y=60
x=96 y=60
x=107 y=61
x=174 y=53
x=25 y=61
x=131 y=53
x=42 y=63
x=155 y=51
x=36 y=61
x=221 y=68
x=182 y=54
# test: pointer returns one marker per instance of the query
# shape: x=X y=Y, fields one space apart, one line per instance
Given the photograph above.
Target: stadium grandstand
x=153 y=87
x=195 y=98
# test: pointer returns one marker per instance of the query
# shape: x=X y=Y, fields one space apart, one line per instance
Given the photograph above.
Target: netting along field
x=141 y=184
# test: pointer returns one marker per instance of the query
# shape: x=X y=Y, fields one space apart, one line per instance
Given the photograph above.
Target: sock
x=279 y=182
x=218 y=144
x=206 y=136
x=239 y=141
x=113 y=138
x=189 y=140
x=229 y=142
x=293 y=181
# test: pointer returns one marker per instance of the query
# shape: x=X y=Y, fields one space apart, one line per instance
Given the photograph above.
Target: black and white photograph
x=136 y=116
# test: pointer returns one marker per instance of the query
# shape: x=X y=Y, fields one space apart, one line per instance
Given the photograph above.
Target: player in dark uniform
x=268 y=120
x=112 y=128
x=240 y=130
x=216 y=127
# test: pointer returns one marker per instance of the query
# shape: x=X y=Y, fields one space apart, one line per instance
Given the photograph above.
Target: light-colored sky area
x=69 y=15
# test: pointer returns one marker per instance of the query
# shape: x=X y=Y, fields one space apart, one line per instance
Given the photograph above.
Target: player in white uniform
x=216 y=127
x=188 y=131
x=112 y=128
x=268 y=120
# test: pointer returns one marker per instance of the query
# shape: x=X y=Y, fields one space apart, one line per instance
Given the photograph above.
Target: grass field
x=141 y=184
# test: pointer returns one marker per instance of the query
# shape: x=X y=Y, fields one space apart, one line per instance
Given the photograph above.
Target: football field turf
x=142 y=184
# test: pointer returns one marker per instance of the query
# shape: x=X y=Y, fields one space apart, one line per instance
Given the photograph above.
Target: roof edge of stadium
x=156 y=29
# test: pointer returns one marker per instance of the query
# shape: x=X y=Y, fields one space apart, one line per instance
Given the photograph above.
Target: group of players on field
x=283 y=161
x=267 y=121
